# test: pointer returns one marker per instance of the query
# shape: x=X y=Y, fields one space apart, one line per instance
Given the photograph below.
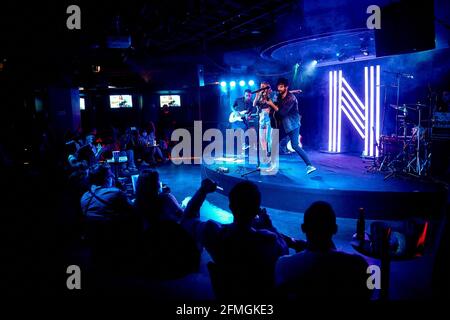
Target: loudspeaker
x=406 y=26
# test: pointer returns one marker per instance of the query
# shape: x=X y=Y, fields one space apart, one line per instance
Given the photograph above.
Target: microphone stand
x=257 y=169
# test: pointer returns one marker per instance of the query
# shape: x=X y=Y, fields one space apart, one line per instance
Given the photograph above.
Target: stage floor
x=341 y=179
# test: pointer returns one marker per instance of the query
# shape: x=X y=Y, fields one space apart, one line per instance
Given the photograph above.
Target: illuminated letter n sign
x=365 y=117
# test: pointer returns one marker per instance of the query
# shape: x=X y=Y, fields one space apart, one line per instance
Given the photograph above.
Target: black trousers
x=293 y=136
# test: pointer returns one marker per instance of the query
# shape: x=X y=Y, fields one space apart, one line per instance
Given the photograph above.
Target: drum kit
x=407 y=151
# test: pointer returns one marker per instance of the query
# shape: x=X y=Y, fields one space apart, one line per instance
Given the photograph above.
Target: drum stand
x=375 y=163
x=414 y=167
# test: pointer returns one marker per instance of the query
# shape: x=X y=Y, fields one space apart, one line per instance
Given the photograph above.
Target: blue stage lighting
x=251 y=83
x=242 y=83
x=314 y=62
x=232 y=83
x=223 y=84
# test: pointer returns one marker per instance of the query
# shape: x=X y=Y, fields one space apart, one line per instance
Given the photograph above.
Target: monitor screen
x=82 y=105
x=120 y=101
x=170 y=100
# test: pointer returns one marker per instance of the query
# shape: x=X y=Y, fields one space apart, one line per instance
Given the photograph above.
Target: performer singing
x=286 y=117
x=265 y=129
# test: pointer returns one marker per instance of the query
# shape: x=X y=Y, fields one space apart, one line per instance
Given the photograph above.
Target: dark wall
x=146 y=107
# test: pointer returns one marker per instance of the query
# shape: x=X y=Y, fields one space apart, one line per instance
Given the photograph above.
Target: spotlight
x=232 y=83
x=251 y=83
x=223 y=84
x=342 y=55
x=364 y=48
x=314 y=62
x=242 y=83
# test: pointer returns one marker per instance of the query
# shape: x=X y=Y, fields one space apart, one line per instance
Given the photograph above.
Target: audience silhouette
x=244 y=257
x=321 y=271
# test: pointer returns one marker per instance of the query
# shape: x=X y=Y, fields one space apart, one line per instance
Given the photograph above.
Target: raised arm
x=193 y=207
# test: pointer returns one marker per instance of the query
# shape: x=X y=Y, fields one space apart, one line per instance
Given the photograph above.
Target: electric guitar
x=236 y=116
x=240 y=116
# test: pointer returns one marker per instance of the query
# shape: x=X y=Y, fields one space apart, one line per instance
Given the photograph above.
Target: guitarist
x=244 y=103
x=285 y=117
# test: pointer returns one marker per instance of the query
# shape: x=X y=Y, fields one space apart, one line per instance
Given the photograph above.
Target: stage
x=342 y=180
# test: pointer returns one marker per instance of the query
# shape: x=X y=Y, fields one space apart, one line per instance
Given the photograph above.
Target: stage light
x=364 y=48
x=310 y=67
x=251 y=83
x=232 y=83
x=342 y=55
x=223 y=84
x=242 y=83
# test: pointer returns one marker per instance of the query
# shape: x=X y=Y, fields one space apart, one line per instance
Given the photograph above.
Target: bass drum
x=390 y=145
x=289 y=144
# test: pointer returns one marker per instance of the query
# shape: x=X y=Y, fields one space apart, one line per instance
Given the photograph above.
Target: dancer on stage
x=285 y=117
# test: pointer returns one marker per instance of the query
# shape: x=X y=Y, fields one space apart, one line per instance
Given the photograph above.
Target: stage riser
x=378 y=205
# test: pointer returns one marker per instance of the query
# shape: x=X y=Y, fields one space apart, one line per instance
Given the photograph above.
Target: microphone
x=262 y=89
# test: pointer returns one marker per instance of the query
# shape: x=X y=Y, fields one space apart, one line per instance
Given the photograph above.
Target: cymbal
x=410 y=106
x=414 y=106
x=401 y=108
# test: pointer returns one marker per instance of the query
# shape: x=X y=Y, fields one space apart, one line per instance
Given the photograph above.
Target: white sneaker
x=271 y=168
x=310 y=169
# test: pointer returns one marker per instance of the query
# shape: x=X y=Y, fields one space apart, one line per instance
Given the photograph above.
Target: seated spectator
x=127 y=146
x=151 y=150
x=152 y=201
x=112 y=227
x=90 y=153
x=103 y=201
x=73 y=164
x=169 y=250
x=244 y=257
x=321 y=271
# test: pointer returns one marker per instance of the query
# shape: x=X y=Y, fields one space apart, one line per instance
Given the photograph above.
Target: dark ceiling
x=163 y=34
